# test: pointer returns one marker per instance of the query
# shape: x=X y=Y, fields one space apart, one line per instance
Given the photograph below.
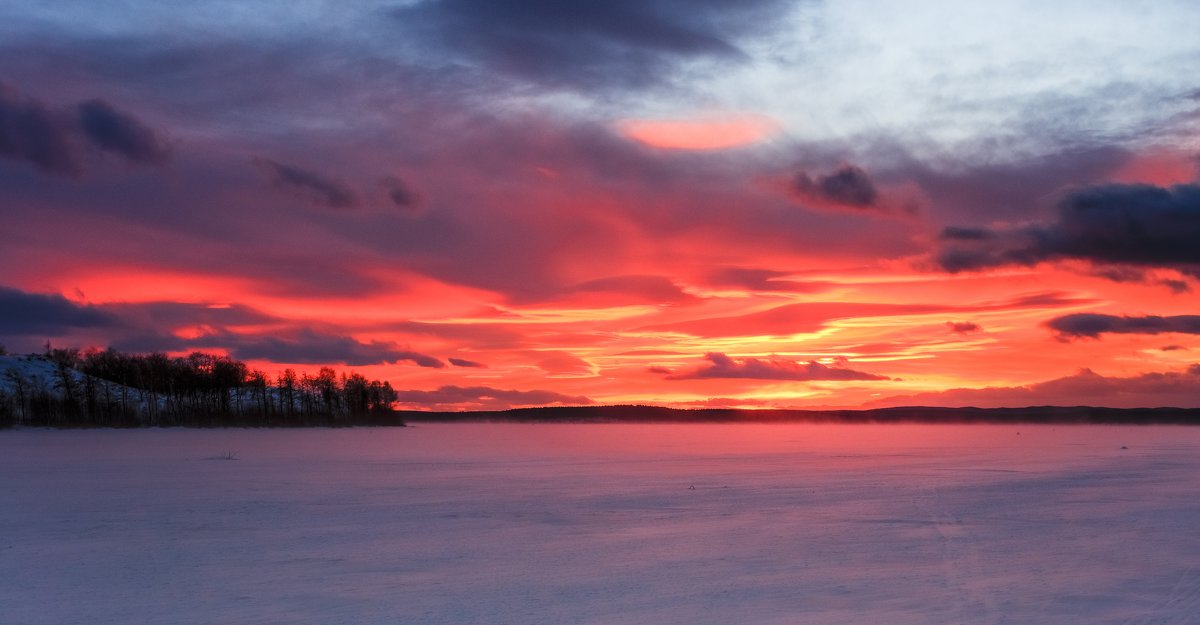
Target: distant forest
x=1064 y=415
x=108 y=388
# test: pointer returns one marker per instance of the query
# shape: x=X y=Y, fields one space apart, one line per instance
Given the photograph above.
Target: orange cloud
x=700 y=133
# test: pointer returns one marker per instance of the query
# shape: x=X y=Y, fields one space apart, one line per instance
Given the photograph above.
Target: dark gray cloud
x=462 y=362
x=314 y=187
x=960 y=233
x=51 y=139
x=848 y=186
x=1092 y=325
x=588 y=44
x=963 y=327
x=1136 y=225
x=1125 y=273
x=400 y=193
x=1176 y=286
x=119 y=132
x=485 y=398
x=26 y=314
x=32 y=132
x=722 y=366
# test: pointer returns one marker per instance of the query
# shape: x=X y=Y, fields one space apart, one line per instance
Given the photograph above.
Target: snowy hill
x=37 y=390
x=35 y=373
x=129 y=390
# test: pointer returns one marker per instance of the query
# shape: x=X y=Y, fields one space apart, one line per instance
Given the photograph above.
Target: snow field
x=602 y=524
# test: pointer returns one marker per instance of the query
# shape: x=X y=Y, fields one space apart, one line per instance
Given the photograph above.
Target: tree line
x=109 y=388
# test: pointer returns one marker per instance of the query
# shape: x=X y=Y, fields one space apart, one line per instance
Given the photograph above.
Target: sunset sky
x=496 y=203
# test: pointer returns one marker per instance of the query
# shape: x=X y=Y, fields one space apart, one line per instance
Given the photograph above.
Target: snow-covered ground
x=31 y=374
x=602 y=524
x=36 y=372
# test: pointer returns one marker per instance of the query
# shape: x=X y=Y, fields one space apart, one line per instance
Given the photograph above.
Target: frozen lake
x=602 y=524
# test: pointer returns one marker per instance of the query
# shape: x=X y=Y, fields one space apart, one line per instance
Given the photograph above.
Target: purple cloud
x=30 y=131
x=963 y=327
x=1122 y=225
x=119 y=132
x=296 y=346
x=1092 y=325
x=774 y=368
x=484 y=398
x=53 y=139
x=848 y=186
x=317 y=188
x=400 y=193
x=25 y=314
x=1084 y=388
x=584 y=44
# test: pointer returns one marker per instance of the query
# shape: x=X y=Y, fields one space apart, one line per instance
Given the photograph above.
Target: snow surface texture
x=39 y=373
x=602 y=524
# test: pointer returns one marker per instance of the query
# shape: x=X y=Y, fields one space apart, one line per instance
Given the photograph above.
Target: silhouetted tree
x=107 y=387
x=286 y=383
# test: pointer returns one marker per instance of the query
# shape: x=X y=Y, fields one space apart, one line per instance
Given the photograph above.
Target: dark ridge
x=904 y=414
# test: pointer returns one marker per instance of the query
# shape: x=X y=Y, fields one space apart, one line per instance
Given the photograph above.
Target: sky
x=693 y=203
